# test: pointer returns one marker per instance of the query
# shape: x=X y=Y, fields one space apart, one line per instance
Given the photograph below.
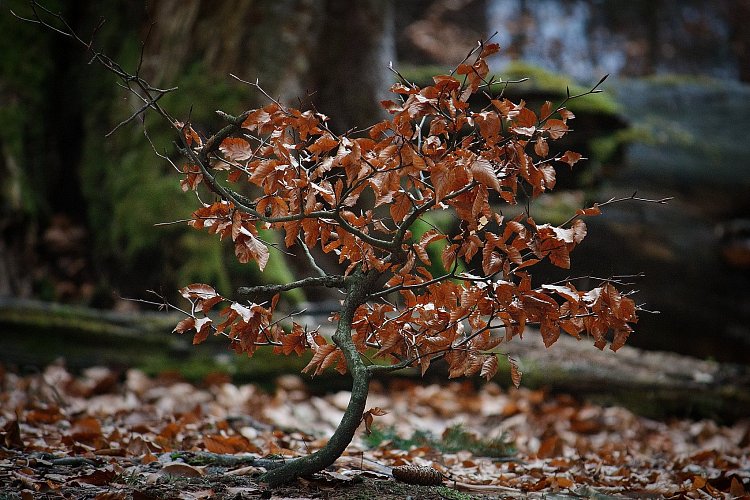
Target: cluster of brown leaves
x=95 y=435
x=358 y=195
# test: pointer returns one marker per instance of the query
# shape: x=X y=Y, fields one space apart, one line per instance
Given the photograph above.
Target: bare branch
x=163 y=156
x=148 y=97
x=257 y=86
x=398 y=238
x=328 y=281
x=136 y=114
x=396 y=288
x=310 y=258
x=473 y=51
x=613 y=200
x=376 y=242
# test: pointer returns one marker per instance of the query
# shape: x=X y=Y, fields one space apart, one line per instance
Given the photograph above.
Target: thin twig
x=613 y=200
x=135 y=114
x=310 y=258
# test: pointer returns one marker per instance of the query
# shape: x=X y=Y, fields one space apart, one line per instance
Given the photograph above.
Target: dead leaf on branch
x=247 y=247
x=369 y=415
x=236 y=149
x=571 y=158
x=324 y=356
x=483 y=172
x=515 y=373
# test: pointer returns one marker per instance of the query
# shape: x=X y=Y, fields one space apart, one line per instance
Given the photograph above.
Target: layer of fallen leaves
x=117 y=435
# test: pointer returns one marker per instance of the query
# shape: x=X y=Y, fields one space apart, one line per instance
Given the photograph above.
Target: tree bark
x=359 y=286
x=351 y=68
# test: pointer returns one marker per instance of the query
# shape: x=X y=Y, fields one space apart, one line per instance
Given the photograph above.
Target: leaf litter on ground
x=125 y=435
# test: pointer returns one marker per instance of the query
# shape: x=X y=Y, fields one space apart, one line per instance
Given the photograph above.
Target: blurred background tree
x=682 y=70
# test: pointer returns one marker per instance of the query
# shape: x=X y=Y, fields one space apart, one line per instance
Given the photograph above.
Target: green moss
x=443 y=220
x=390 y=490
x=604 y=149
x=263 y=366
x=380 y=435
x=129 y=189
x=455 y=438
x=556 y=207
x=553 y=84
x=204 y=262
x=451 y=494
x=680 y=79
x=540 y=81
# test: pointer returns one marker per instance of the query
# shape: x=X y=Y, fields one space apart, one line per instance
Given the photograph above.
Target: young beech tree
x=358 y=195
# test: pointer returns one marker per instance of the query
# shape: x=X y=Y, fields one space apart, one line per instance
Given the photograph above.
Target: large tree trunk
x=350 y=70
x=291 y=46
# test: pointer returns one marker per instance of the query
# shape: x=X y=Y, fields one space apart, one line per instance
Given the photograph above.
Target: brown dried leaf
x=515 y=373
x=736 y=489
x=236 y=149
x=217 y=443
x=491 y=263
x=198 y=291
x=555 y=128
x=400 y=207
x=248 y=247
x=11 y=435
x=368 y=417
x=202 y=329
x=184 y=325
x=449 y=256
x=180 y=469
x=421 y=247
x=489 y=367
x=483 y=172
x=570 y=157
x=318 y=361
x=541 y=147
x=323 y=144
x=594 y=210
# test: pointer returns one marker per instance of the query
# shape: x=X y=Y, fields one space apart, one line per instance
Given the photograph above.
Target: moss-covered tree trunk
x=350 y=69
x=63 y=164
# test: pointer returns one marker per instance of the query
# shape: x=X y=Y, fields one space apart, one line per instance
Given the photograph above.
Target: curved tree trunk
x=359 y=285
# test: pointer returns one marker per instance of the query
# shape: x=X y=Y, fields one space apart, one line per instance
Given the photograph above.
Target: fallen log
x=656 y=384
x=651 y=383
x=35 y=334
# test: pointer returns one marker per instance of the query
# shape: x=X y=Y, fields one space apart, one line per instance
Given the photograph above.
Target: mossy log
x=651 y=383
x=656 y=384
x=37 y=333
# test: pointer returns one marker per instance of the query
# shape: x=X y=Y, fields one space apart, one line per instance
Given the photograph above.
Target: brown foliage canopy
x=357 y=195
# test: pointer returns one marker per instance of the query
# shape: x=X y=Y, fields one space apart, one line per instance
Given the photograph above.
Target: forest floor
x=107 y=434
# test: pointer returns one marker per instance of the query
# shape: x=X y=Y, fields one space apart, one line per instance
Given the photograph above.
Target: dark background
x=78 y=209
